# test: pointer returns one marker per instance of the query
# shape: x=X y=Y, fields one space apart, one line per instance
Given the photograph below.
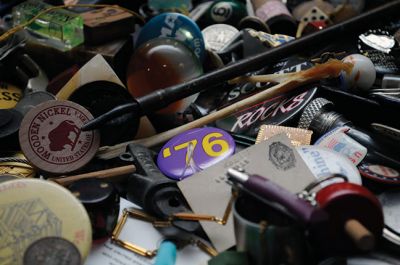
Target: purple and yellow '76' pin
x=193 y=151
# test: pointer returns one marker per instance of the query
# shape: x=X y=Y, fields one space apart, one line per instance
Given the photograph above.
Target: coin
x=52 y=251
x=30 y=100
x=51 y=138
x=218 y=35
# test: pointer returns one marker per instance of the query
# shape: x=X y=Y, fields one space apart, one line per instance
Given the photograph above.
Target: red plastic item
x=345 y=201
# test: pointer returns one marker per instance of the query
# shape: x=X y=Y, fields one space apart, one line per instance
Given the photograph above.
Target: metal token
x=52 y=251
x=33 y=99
x=218 y=35
x=379 y=173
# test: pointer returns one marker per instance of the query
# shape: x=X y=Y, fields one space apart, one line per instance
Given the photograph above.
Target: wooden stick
x=102 y=174
x=360 y=235
x=331 y=68
x=273 y=78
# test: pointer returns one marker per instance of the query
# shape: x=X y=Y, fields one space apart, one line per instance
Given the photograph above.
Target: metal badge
x=52 y=250
x=218 y=35
x=379 y=173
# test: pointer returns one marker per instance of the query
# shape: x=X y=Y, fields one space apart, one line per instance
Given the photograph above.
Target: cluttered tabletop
x=195 y=132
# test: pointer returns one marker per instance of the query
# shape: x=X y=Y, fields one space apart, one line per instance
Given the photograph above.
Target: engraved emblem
x=281 y=156
x=51 y=138
x=52 y=250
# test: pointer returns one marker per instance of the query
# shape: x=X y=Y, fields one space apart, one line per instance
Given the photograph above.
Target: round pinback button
x=379 y=173
x=51 y=139
x=176 y=26
x=37 y=209
x=193 y=151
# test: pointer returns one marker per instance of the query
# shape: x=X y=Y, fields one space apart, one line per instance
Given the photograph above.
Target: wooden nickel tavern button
x=51 y=138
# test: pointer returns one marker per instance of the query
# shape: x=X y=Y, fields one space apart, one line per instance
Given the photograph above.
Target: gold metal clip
x=205 y=217
x=131 y=212
x=138 y=214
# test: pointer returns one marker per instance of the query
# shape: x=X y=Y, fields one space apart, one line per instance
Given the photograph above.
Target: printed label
x=339 y=142
x=323 y=162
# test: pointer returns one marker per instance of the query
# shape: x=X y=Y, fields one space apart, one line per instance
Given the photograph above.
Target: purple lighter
x=266 y=189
